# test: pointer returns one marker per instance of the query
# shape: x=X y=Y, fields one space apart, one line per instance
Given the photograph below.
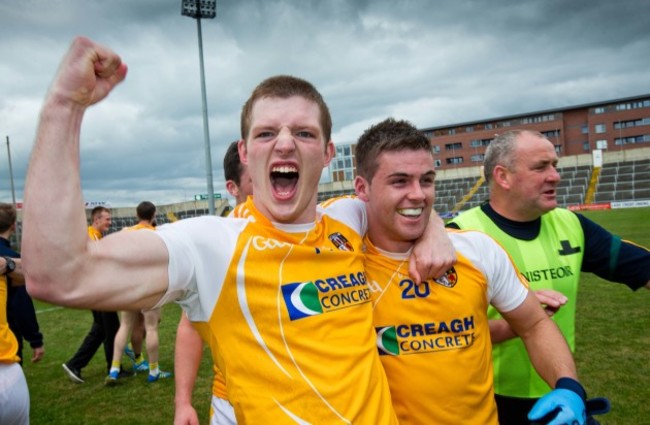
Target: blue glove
x=565 y=405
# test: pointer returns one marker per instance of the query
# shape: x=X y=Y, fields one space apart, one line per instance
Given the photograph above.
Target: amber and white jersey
x=8 y=341
x=288 y=311
x=434 y=338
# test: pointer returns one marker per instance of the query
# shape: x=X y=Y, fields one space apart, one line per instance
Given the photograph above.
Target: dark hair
x=232 y=168
x=97 y=211
x=285 y=86
x=146 y=210
x=7 y=216
x=388 y=135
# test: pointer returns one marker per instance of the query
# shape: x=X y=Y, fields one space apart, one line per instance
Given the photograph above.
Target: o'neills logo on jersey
x=304 y=299
x=449 y=279
x=423 y=338
x=340 y=242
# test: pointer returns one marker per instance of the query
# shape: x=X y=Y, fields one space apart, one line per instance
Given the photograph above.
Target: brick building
x=610 y=125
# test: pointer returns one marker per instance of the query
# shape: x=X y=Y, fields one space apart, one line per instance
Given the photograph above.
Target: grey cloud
x=429 y=61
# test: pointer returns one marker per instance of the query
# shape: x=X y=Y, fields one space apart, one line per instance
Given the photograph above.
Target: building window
x=633 y=105
x=436 y=149
x=601 y=144
x=455 y=160
x=585 y=146
x=600 y=128
x=584 y=129
x=477 y=143
x=599 y=110
x=438 y=163
x=469 y=129
x=451 y=131
x=478 y=157
x=558 y=149
x=631 y=123
x=551 y=133
x=489 y=126
x=632 y=140
x=453 y=146
x=538 y=118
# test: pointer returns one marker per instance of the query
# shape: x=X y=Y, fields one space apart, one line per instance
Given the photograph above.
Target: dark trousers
x=514 y=410
x=103 y=330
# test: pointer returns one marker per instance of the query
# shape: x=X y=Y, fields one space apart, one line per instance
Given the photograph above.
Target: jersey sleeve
x=614 y=259
x=200 y=250
x=347 y=209
x=507 y=287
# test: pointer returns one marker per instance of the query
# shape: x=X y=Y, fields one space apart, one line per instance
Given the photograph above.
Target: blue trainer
x=142 y=366
x=160 y=375
x=112 y=378
x=128 y=350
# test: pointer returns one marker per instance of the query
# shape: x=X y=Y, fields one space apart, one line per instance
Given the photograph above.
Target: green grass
x=56 y=400
x=613 y=342
x=612 y=330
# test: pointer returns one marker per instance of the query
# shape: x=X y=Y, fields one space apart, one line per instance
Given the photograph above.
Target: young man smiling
x=253 y=284
x=435 y=337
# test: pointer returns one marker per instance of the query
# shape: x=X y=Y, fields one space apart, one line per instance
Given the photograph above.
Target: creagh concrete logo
x=420 y=338
x=325 y=295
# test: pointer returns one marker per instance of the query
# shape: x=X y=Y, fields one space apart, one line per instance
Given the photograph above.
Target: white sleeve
x=507 y=288
x=347 y=209
x=200 y=250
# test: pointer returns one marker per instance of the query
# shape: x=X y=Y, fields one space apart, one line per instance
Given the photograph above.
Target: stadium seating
x=624 y=181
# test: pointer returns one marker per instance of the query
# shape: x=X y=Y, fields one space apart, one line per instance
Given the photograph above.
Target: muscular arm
x=187 y=357
x=125 y=271
x=547 y=348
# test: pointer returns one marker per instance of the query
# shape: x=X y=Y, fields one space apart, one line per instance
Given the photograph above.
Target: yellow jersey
x=288 y=314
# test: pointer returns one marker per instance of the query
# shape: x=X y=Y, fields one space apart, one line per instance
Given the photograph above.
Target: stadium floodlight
x=199 y=8
x=207 y=9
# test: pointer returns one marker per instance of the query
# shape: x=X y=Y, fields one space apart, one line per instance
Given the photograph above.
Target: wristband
x=572 y=385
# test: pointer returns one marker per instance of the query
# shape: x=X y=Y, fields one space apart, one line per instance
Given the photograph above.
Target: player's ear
x=329 y=152
x=232 y=188
x=241 y=148
x=362 y=188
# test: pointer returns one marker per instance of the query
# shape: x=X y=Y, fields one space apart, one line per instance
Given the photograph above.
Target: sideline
x=47 y=310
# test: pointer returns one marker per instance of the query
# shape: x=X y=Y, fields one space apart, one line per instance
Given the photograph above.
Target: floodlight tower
x=198 y=9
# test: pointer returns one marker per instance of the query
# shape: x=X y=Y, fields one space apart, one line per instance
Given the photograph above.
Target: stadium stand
x=624 y=181
x=616 y=180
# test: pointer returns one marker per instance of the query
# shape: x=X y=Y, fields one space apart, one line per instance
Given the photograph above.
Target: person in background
x=189 y=345
x=435 y=337
x=14 y=393
x=105 y=323
x=20 y=308
x=146 y=212
x=550 y=245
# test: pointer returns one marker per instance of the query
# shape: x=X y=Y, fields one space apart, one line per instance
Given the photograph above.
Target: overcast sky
x=430 y=62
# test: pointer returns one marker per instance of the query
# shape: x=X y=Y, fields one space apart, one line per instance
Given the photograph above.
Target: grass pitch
x=613 y=342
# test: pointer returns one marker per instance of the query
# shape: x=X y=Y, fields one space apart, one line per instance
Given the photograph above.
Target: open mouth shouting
x=284 y=180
